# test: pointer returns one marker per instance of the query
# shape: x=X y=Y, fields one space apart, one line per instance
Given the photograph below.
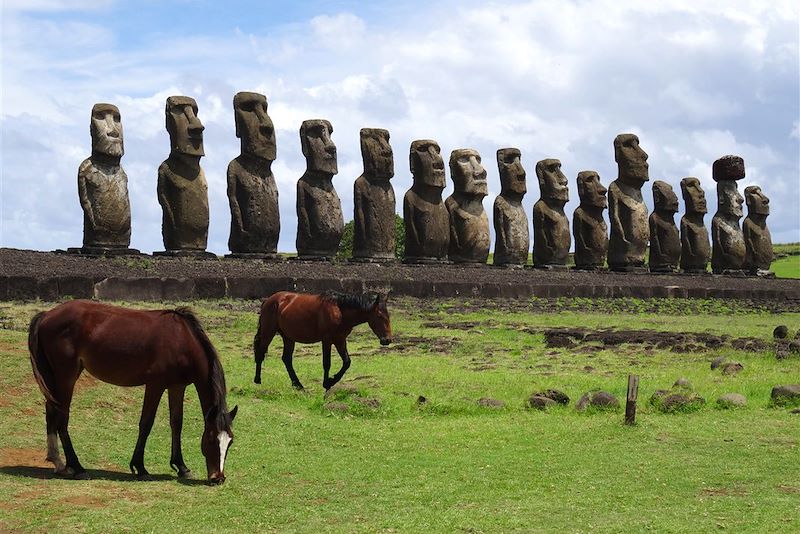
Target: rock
x=732 y=368
x=794 y=346
x=682 y=383
x=553 y=394
x=421 y=400
x=716 y=362
x=680 y=402
x=731 y=400
x=780 y=332
x=491 y=403
x=369 y=402
x=597 y=399
x=336 y=406
x=540 y=403
x=787 y=395
x=658 y=395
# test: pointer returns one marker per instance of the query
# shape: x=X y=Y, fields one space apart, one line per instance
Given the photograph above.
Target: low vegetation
x=433 y=433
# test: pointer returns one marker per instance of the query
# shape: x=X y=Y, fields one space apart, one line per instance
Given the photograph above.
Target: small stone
x=597 y=399
x=794 y=346
x=491 y=403
x=540 y=403
x=681 y=402
x=716 y=362
x=369 y=402
x=682 y=383
x=556 y=395
x=421 y=400
x=780 y=332
x=732 y=400
x=787 y=395
x=732 y=368
x=658 y=395
x=336 y=406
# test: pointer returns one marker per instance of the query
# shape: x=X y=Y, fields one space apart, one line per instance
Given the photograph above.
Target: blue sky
x=695 y=81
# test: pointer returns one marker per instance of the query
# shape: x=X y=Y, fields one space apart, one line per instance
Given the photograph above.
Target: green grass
x=448 y=465
x=788 y=267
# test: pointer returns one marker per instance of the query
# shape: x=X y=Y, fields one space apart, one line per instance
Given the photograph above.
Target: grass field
x=389 y=463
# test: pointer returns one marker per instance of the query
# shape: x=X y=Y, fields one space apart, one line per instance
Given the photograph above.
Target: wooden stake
x=630 y=404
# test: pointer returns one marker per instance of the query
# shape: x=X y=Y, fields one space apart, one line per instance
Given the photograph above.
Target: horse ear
x=232 y=413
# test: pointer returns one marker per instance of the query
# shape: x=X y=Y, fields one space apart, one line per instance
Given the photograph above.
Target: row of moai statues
x=437 y=231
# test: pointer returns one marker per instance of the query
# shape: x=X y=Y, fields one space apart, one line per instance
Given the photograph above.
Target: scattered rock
x=682 y=383
x=369 y=402
x=732 y=400
x=557 y=340
x=597 y=399
x=538 y=402
x=794 y=346
x=780 y=332
x=554 y=394
x=345 y=387
x=680 y=402
x=787 y=395
x=658 y=395
x=336 y=406
x=491 y=403
x=716 y=362
x=421 y=400
x=732 y=368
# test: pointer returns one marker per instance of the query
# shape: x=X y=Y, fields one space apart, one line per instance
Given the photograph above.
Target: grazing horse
x=160 y=349
x=329 y=318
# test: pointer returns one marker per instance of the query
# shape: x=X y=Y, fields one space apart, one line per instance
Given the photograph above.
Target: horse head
x=217 y=439
x=378 y=320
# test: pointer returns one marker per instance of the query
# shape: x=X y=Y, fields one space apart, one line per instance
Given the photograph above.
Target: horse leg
x=326 y=365
x=288 y=350
x=58 y=423
x=175 y=395
x=152 y=396
x=267 y=328
x=341 y=348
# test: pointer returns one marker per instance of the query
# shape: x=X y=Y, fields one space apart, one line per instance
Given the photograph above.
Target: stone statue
x=551 y=239
x=469 y=224
x=426 y=218
x=626 y=209
x=512 y=237
x=374 y=226
x=695 y=247
x=757 y=239
x=182 y=186
x=727 y=254
x=588 y=226
x=665 y=241
x=103 y=188
x=252 y=192
x=320 y=223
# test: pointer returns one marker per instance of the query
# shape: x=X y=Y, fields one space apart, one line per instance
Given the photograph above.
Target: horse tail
x=216 y=375
x=42 y=371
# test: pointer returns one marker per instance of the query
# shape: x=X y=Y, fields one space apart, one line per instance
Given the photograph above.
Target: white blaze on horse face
x=224 y=440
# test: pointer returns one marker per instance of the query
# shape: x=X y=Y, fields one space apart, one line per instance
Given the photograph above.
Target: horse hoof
x=257 y=380
x=81 y=475
x=185 y=473
x=64 y=472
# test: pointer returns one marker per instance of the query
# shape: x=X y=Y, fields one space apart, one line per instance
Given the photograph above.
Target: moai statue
x=695 y=246
x=512 y=237
x=665 y=241
x=757 y=239
x=588 y=226
x=103 y=188
x=426 y=219
x=182 y=186
x=320 y=223
x=728 y=250
x=469 y=224
x=551 y=239
x=374 y=227
x=626 y=208
x=252 y=192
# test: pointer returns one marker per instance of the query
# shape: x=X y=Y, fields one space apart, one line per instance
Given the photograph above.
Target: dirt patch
x=85 y=381
x=463 y=325
x=430 y=345
x=86 y=501
x=723 y=492
x=14 y=457
x=783 y=488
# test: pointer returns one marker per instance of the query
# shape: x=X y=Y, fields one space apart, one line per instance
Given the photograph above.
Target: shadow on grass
x=26 y=471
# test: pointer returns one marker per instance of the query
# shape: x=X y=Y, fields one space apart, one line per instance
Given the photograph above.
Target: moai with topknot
x=728 y=250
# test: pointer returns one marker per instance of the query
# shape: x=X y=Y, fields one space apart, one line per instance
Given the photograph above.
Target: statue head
x=185 y=129
x=512 y=175
x=693 y=195
x=467 y=173
x=253 y=125
x=552 y=182
x=590 y=191
x=427 y=165
x=376 y=152
x=106 y=130
x=318 y=147
x=729 y=201
x=757 y=201
x=664 y=198
x=631 y=160
x=728 y=168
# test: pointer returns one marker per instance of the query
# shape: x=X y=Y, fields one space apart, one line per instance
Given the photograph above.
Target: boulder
x=680 y=402
x=716 y=362
x=787 y=395
x=597 y=399
x=682 y=383
x=732 y=368
x=538 y=402
x=731 y=400
x=554 y=394
x=491 y=403
x=780 y=332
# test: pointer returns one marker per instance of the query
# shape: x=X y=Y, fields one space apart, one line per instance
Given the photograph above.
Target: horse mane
x=216 y=375
x=356 y=301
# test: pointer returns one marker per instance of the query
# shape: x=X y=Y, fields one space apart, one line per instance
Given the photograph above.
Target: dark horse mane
x=216 y=376
x=356 y=301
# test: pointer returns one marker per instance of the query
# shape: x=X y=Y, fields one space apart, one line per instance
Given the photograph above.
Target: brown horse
x=160 y=349
x=328 y=318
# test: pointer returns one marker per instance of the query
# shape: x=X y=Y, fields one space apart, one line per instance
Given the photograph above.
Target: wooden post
x=630 y=404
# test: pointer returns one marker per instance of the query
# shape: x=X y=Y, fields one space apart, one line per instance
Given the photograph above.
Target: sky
x=695 y=80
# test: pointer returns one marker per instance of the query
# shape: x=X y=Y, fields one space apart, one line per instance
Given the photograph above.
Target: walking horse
x=160 y=349
x=307 y=318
